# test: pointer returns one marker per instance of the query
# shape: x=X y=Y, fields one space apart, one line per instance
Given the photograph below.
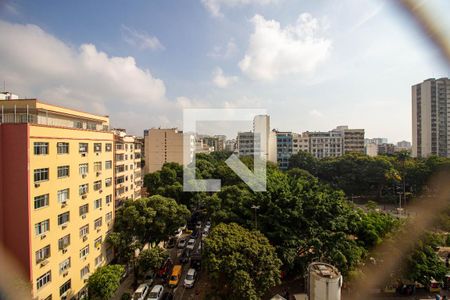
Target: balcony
x=33 y=116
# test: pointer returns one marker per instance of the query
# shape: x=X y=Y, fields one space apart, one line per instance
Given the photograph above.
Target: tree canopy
x=104 y=282
x=244 y=258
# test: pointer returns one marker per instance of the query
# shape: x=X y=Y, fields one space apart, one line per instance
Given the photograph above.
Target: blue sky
x=312 y=64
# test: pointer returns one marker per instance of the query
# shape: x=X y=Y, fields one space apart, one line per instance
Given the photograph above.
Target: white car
x=156 y=292
x=141 y=292
x=178 y=233
x=190 y=278
x=181 y=243
x=190 y=244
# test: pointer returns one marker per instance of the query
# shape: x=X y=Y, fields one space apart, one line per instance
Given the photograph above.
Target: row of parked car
x=174 y=272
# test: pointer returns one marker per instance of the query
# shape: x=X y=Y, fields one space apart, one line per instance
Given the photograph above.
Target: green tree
x=304 y=160
x=104 y=282
x=146 y=220
x=423 y=264
x=245 y=259
x=152 y=258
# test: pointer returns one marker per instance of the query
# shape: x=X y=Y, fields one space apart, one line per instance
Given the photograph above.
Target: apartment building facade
x=352 y=139
x=56 y=194
x=128 y=175
x=430 y=115
x=166 y=145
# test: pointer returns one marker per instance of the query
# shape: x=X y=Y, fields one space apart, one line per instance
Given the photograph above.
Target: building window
x=97 y=147
x=63 y=218
x=97 y=185
x=63 y=171
x=83 y=189
x=40 y=175
x=98 y=260
x=84 y=169
x=41 y=201
x=43 y=280
x=98 y=242
x=64 y=242
x=83 y=147
x=98 y=223
x=64 y=266
x=65 y=287
x=120 y=180
x=42 y=254
x=84 y=252
x=63 y=196
x=97 y=166
x=62 y=148
x=84 y=209
x=108 y=217
x=42 y=227
x=84 y=271
x=98 y=203
x=108 y=147
x=84 y=231
x=40 y=148
x=108 y=199
x=108 y=164
x=108 y=182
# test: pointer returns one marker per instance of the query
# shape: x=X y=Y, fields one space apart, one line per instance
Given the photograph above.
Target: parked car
x=149 y=277
x=195 y=234
x=141 y=292
x=205 y=230
x=156 y=292
x=198 y=225
x=184 y=257
x=190 y=278
x=196 y=262
x=167 y=296
x=178 y=233
x=172 y=242
x=181 y=243
x=204 y=235
x=190 y=244
x=165 y=268
x=208 y=224
x=175 y=276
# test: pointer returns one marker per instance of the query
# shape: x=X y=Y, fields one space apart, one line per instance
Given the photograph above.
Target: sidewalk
x=125 y=286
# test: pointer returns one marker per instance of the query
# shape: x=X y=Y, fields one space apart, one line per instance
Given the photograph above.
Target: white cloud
x=140 y=39
x=37 y=64
x=275 y=51
x=214 y=6
x=221 y=80
x=315 y=113
x=224 y=51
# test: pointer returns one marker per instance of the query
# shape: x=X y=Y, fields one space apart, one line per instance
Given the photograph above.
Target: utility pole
x=256 y=207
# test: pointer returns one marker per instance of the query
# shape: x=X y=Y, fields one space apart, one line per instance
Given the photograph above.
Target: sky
x=313 y=65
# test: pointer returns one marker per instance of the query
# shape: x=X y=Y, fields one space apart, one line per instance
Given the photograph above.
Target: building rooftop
x=324 y=270
x=33 y=111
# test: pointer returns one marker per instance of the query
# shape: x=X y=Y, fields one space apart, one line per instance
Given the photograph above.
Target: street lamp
x=256 y=207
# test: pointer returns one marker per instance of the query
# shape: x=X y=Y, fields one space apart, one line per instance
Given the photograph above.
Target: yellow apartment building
x=56 y=194
x=128 y=180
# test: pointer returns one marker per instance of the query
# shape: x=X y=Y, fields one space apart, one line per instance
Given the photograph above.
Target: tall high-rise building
x=259 y=142
x=128 y=179
x=165 y=145
x=430 y=113
x=56 y=194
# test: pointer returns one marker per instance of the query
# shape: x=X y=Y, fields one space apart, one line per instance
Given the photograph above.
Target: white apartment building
x=430 y=114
